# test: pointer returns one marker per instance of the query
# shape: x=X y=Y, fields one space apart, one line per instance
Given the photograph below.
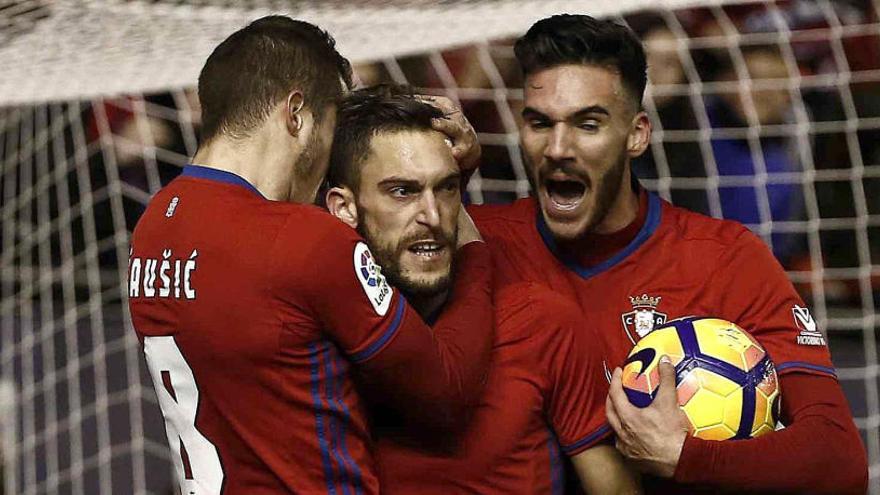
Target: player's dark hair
x=580 y=39
x=366 y=113
x=258 y=65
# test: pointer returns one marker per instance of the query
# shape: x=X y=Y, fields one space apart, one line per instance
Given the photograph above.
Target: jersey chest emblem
x=643 y=318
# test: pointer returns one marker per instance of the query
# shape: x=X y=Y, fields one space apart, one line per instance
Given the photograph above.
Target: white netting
x=767 y=112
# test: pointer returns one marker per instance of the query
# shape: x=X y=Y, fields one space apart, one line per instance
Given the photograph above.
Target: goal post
x=766 y=112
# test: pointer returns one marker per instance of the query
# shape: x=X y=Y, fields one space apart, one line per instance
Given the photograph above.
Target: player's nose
x=429 y=211
x=558 y=146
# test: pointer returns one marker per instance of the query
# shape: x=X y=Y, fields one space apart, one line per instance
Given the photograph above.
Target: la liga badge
x=369 y=274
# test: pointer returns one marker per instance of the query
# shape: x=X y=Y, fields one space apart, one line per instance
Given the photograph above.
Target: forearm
x=818 y=452
x=602 y=470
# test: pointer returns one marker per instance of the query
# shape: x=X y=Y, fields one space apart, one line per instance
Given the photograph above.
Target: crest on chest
x=643 y=318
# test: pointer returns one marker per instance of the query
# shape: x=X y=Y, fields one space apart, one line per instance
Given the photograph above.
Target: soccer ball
x=726 y=382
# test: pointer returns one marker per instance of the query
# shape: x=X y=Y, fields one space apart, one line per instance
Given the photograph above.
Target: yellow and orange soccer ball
x=727 y=384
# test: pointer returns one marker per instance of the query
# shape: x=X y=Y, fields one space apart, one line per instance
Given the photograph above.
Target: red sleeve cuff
x=385 y=338
x=587 y=441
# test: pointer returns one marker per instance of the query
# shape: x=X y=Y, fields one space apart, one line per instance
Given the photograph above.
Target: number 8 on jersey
x=195 y=457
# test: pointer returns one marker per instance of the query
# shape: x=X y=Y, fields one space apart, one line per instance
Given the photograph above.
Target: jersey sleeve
x=401 y=360
x=576 y=387
x=753 y=291
x=333 y=276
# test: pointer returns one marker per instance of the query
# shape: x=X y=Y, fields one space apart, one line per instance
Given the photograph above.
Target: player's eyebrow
x=399 y=181
x=531 y=112
x=452 y=177
x=592 y=109
x=578 y=114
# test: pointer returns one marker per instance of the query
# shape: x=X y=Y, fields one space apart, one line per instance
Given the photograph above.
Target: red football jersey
x=545 y=397
x=679 y=264
x=250 y=313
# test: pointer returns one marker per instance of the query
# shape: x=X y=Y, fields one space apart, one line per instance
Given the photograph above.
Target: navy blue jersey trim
x=557 y=473
x=655 y=208
x=218 y=175
x=591 y=438
x=317 y=405
x=376 y=346
x=807 y=366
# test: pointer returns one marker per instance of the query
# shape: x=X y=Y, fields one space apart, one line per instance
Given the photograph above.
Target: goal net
x=766 y=112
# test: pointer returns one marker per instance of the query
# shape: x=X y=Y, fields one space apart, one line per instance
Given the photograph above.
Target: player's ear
x=341 y=204
x=639 y=135
x=295 y=112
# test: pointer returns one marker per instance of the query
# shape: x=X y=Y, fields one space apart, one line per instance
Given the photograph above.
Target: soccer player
x=255 y=307
x=397 y=183
x=633 y=261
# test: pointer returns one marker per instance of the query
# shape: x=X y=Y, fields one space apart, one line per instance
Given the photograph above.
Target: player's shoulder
x=692 y=227
x=520 y=212
x=312 y=223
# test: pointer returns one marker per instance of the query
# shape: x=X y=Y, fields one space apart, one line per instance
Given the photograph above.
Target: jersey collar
x=652 y=221
x=218 y=175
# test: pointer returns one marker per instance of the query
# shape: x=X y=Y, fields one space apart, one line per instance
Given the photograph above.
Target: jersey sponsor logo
x=167 y=277
x=370 y=276
x=809 y=333
x=643 y=318
x=172 y=205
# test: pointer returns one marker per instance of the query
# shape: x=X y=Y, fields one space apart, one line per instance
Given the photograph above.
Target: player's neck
x=624 y=209
x=594 y=247
x=254 y=159
x=428 y=306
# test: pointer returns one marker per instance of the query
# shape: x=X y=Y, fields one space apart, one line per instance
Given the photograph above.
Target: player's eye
x=589 y=125
x=400 y=191
x=538 y=124
x=450 y=186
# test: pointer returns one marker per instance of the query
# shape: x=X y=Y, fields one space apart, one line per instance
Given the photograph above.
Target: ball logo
x=370 y=276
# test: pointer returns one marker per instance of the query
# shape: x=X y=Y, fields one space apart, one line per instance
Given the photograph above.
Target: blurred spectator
x=763 y=100
x=674 y=112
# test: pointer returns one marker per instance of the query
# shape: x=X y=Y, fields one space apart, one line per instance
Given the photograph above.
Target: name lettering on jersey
x=168 y=277
x=643 y=318
x=370 y=276
x=809 y=333
x=172 y=205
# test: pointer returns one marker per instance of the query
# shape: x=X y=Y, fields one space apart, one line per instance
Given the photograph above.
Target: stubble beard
x=305 y=162
x=606 y=194
x=388 y=255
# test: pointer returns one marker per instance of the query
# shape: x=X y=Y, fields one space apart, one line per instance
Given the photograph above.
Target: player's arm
x=576 y=396
x=434 y=373
x=602 y=469
x=818 y=452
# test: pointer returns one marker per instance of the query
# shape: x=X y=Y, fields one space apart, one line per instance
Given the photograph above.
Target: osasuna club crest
x=643 y=318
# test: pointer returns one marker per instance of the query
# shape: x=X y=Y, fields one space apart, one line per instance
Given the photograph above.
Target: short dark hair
x=258 y=65
x=581 y=39
x=366 y=113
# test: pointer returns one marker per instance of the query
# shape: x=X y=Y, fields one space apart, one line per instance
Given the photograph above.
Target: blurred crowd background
x=768 y=122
